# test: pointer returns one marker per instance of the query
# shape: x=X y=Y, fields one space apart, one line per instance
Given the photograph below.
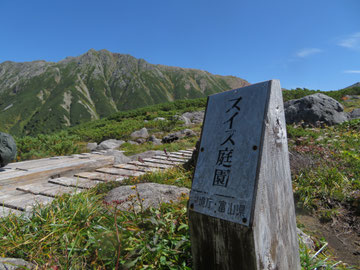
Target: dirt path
x=344 y=243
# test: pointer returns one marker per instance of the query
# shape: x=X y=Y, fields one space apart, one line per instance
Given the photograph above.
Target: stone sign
x=225 y=175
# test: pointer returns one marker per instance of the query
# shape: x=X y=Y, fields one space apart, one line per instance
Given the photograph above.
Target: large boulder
x=142 y=133
x=109 y=144
x=151 y=195
x=314 y=110
x=195 y=117
x=7 y=149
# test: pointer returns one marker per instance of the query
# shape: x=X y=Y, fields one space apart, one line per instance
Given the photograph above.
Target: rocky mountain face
x=354 y=85
x=40 y=97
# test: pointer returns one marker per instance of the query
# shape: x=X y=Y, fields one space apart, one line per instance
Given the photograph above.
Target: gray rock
x=151 y=195
x=154 y=140
x=119 y=157
x=195 y=117
x=14 y=264
x=186 y=120
x=142 y=133
x=315 y=109
x=7 y=149
x=147 y=154
x=140 y=140
x=91 y=146
x=355 y=114
x=187 y=133
x=109 y=144
x=306 y=239
x=178 y=135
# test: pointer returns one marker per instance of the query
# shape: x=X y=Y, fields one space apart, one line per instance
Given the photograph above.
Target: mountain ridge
x=39 y=96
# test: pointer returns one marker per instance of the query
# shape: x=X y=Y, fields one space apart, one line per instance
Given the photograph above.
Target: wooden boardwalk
x=24 y=185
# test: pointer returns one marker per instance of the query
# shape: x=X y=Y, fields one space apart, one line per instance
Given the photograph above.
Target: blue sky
x=304 y=43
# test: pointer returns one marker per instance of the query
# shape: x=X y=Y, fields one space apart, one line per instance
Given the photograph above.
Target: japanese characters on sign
x=225 y=175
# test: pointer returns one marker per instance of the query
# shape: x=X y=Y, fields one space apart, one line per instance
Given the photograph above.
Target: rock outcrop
x=315 y=109
x=150 y=195
x=142 y=133
x=109 y=144
x=7 y=149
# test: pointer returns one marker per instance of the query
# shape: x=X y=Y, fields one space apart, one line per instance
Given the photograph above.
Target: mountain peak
x=46 y=97
x=353 y=85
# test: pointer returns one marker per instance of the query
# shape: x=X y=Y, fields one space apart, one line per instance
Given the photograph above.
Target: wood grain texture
x=150 y=165
x=122 y=172
x=75 y=182
x=219 y=244
x=26 y=201
x=162 y=161
x=33 y=171
x=171 y=158
x=274 y=224
x=5 y=211
x=175 y=156
x=96 y=176
x=132 y=167
x=47 y=189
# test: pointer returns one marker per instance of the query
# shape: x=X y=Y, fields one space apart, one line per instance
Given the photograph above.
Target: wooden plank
x=26 y=202
x=132 y=167
x=5 y=194
x=150 y=165
x=186 y=151
x=122 y=172
x=63 y=168
x=162 y=161
x=48 y=189
x=97 y=176
x=75 y=182
x=169 y=158
x=5 y=211
x=182 y=155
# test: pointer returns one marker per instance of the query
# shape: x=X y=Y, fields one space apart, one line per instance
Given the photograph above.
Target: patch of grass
x=82 y=232
x=319 y=259
x=42 y=146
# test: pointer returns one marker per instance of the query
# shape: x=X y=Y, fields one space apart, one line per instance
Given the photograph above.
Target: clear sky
x=304 y=43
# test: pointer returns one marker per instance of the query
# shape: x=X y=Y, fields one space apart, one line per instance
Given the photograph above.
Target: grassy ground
x=81 y=232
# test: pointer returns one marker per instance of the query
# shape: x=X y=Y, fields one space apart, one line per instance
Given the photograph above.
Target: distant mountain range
x=41 y=97
x=354 y=85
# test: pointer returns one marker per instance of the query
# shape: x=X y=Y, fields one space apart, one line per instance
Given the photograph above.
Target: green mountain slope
x=41 y=97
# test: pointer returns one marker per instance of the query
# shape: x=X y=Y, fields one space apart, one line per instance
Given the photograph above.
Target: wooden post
x=241 y=207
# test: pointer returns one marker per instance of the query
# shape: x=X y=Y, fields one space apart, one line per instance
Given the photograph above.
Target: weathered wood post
x=241 y=208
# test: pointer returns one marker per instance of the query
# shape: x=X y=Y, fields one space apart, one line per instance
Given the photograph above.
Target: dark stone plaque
x=225 y=176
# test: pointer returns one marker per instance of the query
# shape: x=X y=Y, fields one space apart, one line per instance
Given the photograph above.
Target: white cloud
x=352 y=71
x=351 y=42
x=307 y=52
